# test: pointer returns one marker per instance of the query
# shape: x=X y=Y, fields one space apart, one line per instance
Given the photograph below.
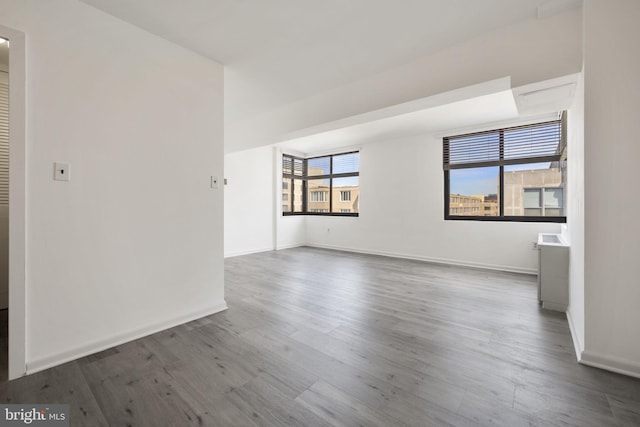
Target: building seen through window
x=327 y=185
x=511 y=174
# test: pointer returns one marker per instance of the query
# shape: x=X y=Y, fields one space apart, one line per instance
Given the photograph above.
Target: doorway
x=16 y=76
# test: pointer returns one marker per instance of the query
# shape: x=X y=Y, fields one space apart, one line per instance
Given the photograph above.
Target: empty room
x=296 y=213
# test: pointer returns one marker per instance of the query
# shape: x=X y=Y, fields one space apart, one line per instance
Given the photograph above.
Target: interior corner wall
x=401 y=199
x=612 y=150
x=249 y=202
x=133 y=243
x=528 y=52
x=402 y=188
x=253 y=220
x=574 y=229
x=291 y=231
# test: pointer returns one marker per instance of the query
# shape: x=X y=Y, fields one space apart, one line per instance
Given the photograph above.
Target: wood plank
x=341 y=409
x=317 y=338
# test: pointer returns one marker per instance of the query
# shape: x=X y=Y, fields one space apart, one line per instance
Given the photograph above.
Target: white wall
x=134 y=242
x=612 y=150
x=401 y=204
x=574 y=229
x=291 y=231
x=253 y=220
x=528 y=52
x=401 y=197
x=249 y=202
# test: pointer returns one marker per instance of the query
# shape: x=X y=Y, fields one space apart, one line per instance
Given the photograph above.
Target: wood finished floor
x=322 y=338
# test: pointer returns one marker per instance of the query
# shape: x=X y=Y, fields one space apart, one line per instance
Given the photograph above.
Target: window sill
x=319 y=214
x=549 y=219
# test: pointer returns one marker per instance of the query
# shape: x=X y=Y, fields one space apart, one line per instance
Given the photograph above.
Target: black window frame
x=305 y=177
x=559 y=156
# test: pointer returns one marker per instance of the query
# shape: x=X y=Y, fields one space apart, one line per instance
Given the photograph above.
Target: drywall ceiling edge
x=462 y=94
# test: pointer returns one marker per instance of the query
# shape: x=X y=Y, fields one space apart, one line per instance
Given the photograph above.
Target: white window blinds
x=540 y=142
x=4 y=140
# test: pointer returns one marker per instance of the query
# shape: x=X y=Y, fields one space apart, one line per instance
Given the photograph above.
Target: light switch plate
x=214 y=182
x=61 y=171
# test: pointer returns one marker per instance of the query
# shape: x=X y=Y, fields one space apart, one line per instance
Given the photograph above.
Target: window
x=543 y=201
x=326 y=185
x=510 y=174
x=319 y=196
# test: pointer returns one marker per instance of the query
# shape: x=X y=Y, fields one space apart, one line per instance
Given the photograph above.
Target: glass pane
x=532 y=198
x=345 y=163
x=553 y=197
x=297 y=195
x=287 y=165
x=298 y=166
x=531 y=188
x=474 y=148
x=319 y=166
x=286 y=195
x=531 y=141
x=346 y=195
x=318 y=195
x=474 y=191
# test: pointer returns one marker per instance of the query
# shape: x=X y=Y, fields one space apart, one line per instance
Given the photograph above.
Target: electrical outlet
x=534 y=246
x=61 y=171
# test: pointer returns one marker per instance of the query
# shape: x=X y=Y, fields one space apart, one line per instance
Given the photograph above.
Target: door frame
x=17 y=202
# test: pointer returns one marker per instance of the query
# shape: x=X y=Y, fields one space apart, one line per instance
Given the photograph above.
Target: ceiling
x=278 y=52
x=461 y=114
x=483 y=106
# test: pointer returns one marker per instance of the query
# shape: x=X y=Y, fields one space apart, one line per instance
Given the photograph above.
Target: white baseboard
x=596 y=360
x=257 y=251
x=547 y=305
x=399 y=255
x=431 y=259
x=105 y=343
x=577 y=344
x=248 y=252
x=610 y=363
x=291 y=246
